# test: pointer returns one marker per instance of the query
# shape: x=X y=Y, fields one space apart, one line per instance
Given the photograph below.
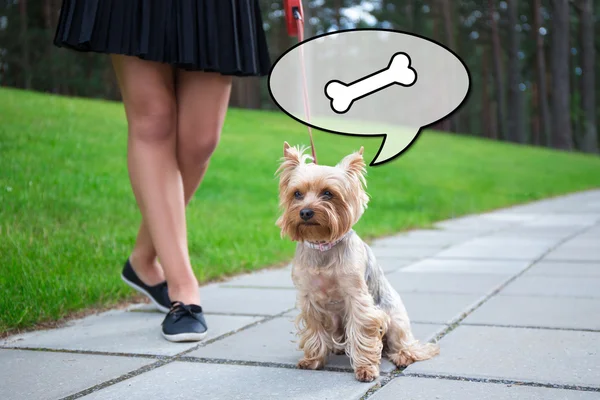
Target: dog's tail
x=410 y=350
x=420 y=351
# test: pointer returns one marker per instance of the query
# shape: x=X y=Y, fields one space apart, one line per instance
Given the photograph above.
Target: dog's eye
x=297 y=194
x=327 y=193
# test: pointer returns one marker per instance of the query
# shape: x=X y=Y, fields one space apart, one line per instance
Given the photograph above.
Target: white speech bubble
x=371 y=82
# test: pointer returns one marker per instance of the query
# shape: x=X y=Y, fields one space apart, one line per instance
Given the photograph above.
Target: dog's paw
x=366 y=374
x=306 y=363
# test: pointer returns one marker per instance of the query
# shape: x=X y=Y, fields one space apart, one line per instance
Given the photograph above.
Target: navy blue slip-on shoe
x=184 y=323
x=158 y=294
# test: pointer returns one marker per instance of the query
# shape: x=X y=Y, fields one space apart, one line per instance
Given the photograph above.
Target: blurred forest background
x=533 y=63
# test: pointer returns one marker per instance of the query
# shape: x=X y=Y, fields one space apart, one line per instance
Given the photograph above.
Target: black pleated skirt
x=224 y=36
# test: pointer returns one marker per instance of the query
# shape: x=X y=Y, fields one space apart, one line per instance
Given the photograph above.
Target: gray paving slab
x=575 y=252
x=267 y=278
x=393 y=264
x=555 y=286
x=441 y=282
x=475 y=223
x=276 y=341
x=423 y=237
x=582 y=241
x=592 y=233
x=438 y=308
x=507 y=217
x=559 y=233
x=545 y=312
x=502 y=240
x=217 y=299
x=567 y=220
x=412 y=388
x=436 y=237
x=537 y=355
x=512 y=252
x=121 y=332
x=461 y=266
x=407 y=241
x=564 y=268
x=29 y=375
x=185 y=380
x=406 y=252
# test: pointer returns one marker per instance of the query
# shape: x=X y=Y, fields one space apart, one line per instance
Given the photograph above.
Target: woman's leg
x=202 y=101
x=148 y=91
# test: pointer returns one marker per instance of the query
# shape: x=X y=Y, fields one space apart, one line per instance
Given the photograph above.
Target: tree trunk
x=497 y=57
x=245 y=93
x=444 y=124
x=542 y=92
x=575 y=101
x=535 y=116
x=409 y=9
x=489 y=130
x=451 y=42
x=337 y=8
x=589 y=140
x=516 y=131
x=559 y=52
x=25 y=56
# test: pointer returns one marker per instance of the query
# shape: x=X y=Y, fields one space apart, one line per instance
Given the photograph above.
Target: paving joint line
x=489 y=259
x=257 y=287
x=503 y=381
x=266 y=364
x=121 y=378
x=166 y=360
x=455 y=322
x=555 y=261
x=539 y=295
x=88 y=352
x=543 y=328
x=224 y=314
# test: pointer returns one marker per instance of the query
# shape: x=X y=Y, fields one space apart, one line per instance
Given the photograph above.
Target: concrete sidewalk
x=513 y=295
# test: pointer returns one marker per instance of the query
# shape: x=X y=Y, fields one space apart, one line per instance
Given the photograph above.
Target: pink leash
x=300 y=31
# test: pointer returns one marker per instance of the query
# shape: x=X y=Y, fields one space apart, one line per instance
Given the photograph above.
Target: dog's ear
x=354 y=164
x=292 y=158
x=286 y=146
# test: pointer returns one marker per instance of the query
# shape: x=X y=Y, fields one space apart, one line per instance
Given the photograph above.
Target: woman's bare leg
x=202 y=101
x=148 y=91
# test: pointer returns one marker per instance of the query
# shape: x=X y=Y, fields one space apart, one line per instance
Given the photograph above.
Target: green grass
x=68 y=218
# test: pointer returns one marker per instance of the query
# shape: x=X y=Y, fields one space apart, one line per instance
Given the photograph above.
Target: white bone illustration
x=398 y=71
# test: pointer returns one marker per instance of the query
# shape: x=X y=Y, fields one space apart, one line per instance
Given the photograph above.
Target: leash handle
x=295 y=6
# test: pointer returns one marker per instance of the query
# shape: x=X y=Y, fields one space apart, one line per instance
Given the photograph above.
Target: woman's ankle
x=188 y=293
x=147 y=268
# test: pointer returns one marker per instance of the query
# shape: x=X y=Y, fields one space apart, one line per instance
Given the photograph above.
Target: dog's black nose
x=306 y=214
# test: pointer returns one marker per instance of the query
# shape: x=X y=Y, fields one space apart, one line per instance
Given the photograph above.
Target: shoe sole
x=132 y=285
x=185 y=337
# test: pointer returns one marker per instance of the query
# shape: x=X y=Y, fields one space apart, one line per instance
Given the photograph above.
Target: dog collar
x=324 y=246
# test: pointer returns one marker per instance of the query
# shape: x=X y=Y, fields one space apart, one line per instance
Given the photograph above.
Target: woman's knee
x=153 y=121
x=197 y=145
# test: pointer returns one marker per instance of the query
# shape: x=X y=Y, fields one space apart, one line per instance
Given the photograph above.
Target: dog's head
x=320 y=203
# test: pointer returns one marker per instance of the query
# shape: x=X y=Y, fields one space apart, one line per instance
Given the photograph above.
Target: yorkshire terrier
x=346 y=303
